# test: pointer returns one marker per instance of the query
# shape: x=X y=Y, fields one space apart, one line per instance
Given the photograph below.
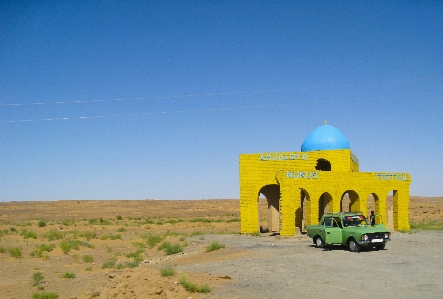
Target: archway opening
x=323 y=204
x=323 y=165
x=372 y=204
x=349 y=201
x=300 y=213
x=271 y=194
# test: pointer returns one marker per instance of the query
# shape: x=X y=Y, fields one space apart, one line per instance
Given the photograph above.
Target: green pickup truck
x=350 y=229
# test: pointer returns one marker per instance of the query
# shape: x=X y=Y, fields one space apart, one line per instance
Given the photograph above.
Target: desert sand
x=111 y=254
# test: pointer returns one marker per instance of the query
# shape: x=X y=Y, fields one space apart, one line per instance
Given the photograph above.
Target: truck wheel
x=319 y=242
x=353 y=246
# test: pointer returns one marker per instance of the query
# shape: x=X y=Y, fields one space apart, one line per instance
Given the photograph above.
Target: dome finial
x=325 y=123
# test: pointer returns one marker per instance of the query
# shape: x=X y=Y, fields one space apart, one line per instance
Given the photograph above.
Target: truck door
x=333 y=231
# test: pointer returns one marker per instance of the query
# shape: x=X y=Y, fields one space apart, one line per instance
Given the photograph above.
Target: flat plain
x=192 y=248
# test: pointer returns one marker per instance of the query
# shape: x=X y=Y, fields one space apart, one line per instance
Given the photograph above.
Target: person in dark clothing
x=372 y=218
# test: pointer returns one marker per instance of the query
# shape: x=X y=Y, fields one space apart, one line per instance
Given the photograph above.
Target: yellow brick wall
x=283 y=169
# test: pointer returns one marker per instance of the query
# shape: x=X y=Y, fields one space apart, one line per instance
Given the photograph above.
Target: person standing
x=372 y=218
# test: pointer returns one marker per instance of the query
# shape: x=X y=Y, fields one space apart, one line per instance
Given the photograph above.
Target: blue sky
x=157 y=99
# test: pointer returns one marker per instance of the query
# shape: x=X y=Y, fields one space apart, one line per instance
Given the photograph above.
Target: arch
x=323 y=165
x=323 y=204
x=372 y=205
x=349 y=201
x=272 y=195
x=300 y=213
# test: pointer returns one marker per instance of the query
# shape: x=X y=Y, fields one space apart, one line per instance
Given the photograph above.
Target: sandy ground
x=248 y=267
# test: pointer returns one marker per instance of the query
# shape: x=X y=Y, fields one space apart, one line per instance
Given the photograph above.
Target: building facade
x=323 y=177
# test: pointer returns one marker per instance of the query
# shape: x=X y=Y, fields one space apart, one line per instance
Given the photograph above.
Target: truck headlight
x=387 y=235
x=364 y=237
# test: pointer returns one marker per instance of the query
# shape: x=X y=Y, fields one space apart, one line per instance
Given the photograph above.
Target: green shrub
x=111 y=236
x=136 y=255
x=118 y=217
x=121 y=229
x=41 y=223
x=167 y=271
x=37 y=277
x=68 y=222
x=433 y=225
x=28 y=234
x=68 y=275
x=87 y=258
x=88 y=269
x=90 y=235
x=153 y=240
x=109 y=264
x=15 y=252
x=214 y=246
x=68 y=245
x=170 y=249
x=41 y=249
x=132 y=264
x=53 y=235
x=45 y=295
x=2 y=249
x=192 y=287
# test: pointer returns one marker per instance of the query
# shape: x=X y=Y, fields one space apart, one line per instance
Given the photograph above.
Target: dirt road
x=410 y=267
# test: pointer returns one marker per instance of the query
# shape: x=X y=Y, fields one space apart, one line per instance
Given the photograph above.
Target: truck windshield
x=354 y=220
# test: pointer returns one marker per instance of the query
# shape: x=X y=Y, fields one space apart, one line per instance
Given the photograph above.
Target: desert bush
x=104 y=221
x=68 y=245
x=41 y=223
x=37 y=277
x=118 y=217
x=167 y=271
x=108 y=264
x=192 y=287
x=87 y=258
x=2 y=249
x=45 y=295
x=149 y=221
x=68 y=275
x=121 y=229
x=153 y=240
x=88 y=269
x=214 y=246
x=15 y=252
x=53 y=235
x=136 y=255
x=111 y=236
x=41 y=249
x=170 y=249
x=132 y=264
x=174 y=221
x=68 y=222
x=433 y=225
x=27 y=234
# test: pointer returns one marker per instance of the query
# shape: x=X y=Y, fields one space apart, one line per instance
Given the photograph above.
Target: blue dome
x=325 y=137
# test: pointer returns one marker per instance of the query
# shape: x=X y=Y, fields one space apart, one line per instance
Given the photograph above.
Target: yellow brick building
x=323 y=177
